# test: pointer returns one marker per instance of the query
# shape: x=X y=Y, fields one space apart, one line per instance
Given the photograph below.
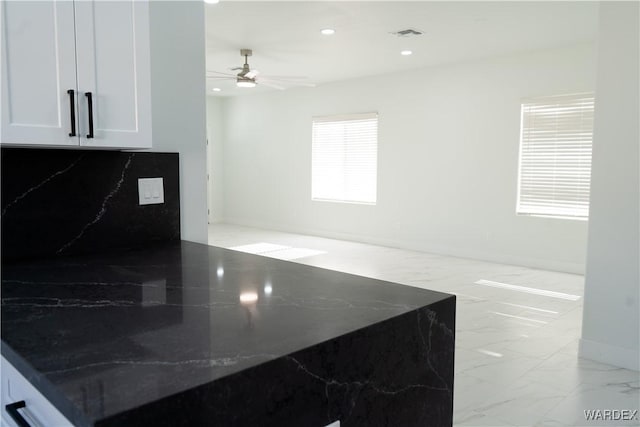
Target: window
x=555 y=156
x=344 y=158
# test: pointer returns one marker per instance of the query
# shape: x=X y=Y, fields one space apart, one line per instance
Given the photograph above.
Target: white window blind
x=344 y=158
x=555 y=156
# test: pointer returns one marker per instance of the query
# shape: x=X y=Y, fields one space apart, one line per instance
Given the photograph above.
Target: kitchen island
x=185 y=334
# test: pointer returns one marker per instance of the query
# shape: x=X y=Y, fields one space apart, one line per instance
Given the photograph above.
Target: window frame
x=570 y=101
x=316 y=123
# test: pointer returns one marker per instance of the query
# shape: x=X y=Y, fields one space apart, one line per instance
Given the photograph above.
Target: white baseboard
x=611 y=355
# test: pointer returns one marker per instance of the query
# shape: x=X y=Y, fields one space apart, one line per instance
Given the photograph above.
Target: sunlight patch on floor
x=527 y=319
x=273 y=250
x=528 y=290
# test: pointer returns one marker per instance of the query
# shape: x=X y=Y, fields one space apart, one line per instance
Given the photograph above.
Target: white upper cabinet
x=38 y=67
x=76 y=73
x=112 y=45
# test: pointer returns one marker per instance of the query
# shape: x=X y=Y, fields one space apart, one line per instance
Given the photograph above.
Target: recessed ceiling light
x=406 y=53
x=216 y=89
x=211 y=1
x=327 y=31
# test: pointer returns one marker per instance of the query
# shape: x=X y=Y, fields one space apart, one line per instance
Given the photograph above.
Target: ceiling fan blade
x=305 y=84
x=220 y=73
x=268 y=83
x=285 y=77
x=292 y=83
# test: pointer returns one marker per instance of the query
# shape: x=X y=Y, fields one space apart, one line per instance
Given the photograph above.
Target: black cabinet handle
x=12 y=410
x=72 y=109
x=90 y=110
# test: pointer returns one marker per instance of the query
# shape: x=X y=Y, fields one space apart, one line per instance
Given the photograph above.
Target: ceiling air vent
x=409 y=32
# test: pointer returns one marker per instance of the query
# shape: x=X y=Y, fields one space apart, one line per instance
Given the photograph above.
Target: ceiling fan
x=248 y=77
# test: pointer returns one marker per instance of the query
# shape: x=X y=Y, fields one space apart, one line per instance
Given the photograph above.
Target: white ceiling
x=286 y=40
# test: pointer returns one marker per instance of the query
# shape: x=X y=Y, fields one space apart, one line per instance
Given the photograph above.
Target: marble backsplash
x=59 y=202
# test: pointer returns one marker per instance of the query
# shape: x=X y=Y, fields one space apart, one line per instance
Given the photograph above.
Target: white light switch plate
x=151 y=191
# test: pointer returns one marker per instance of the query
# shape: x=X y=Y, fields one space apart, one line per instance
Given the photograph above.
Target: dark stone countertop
x=101 y=335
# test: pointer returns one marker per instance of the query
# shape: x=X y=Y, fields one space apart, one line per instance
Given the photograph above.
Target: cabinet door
x=38 y=410
x=38 y=68
x=112 y=42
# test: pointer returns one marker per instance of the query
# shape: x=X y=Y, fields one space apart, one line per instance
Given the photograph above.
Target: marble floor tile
x=499 y=367
x=516 y=346
x=477 y=419
x=469 y=393
x=615 y=397
x=521 y=403
x=546 y=422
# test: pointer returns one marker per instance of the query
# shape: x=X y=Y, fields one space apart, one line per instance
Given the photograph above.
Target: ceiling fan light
x=245 y=83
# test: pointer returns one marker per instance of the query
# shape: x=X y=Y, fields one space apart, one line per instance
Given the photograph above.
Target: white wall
x=611 y=319
x=215 y=157
x=448 y=158
x=178 y=103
